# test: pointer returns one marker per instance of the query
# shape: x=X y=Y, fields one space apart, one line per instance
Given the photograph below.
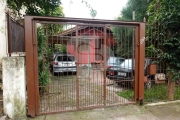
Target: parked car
x=64 y=62
x=125 y=72
x=113 y=62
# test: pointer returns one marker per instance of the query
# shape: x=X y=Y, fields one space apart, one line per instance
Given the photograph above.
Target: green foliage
x=167 y=13
x=151 y=51
x=60 y=48
x=43 y=65
x=19 y=8
x=140 y=8
x=123 y=37
x=127 y=94
x=35 y=7
x=44 y=73
x=154 y=94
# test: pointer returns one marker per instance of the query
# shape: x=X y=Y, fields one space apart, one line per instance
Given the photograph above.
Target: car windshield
x=127 y=63
x=65 y=58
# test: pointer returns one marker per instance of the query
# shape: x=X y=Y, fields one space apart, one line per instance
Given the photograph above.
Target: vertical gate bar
x=9 y=34
x=141 y=60
x=121 y=47
x=136 y=54
x=29 y=66
x=89 y=59
x=125 y=47
x=158 y=66
x=161 y=47
x=102 y=62
x=104 y=65
x=133 y=51
x=36 y=68
x=77 y=70
x=127 y=38
x=155 y=27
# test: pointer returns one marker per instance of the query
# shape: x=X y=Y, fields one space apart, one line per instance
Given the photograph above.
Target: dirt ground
x=62 y=95
x=96 y=76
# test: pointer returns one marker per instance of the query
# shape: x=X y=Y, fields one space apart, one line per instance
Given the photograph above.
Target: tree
x=124 y=36
x=124 y=44
x=166 y=12
x=34 y=7
x=140 y=8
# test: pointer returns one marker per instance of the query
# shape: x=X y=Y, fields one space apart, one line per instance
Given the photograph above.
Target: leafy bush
x=44 y=73
x=43 y=65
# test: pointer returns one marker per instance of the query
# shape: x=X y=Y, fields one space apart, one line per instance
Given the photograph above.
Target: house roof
x=69 y=34
x=73 y=30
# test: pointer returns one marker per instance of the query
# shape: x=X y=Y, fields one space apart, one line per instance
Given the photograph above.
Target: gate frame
x=32 y=64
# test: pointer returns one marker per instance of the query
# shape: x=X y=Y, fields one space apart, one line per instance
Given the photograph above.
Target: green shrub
x=43 y=64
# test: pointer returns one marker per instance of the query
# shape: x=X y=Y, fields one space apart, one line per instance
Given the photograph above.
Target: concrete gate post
x=14 y=87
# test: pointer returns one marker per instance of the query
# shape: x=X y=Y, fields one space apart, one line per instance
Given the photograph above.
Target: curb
x=162 y=103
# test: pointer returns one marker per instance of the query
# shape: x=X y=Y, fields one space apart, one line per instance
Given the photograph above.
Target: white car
x=64 y=62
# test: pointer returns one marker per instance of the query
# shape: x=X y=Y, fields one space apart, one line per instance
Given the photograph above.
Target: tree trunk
x=171 y=87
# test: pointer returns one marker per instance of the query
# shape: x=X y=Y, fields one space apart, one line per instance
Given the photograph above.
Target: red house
x=90 y=46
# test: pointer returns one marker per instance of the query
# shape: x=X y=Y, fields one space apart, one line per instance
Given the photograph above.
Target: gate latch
x=141 y=40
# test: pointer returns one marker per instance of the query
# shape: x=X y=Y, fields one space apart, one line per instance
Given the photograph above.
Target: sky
x=106 y=9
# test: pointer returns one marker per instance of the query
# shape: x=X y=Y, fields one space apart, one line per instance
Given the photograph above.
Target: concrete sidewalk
x=167 y=111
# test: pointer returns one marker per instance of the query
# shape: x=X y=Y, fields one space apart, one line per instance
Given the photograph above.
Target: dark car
x=113 y=62
x=125 y=72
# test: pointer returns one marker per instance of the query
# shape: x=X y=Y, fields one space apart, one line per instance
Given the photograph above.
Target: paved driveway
x=168 y=111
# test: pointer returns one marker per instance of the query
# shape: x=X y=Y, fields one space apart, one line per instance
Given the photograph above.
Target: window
x=99 y=49
x=65 y=58
x=98 y=43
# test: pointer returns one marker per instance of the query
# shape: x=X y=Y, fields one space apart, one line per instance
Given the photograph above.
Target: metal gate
x=76 y=64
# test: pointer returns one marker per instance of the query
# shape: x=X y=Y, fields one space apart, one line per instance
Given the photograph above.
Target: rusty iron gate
x=73 y=64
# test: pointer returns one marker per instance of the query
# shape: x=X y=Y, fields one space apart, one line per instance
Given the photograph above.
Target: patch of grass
x=177 y=93
x=127 y=94
x=154 y=94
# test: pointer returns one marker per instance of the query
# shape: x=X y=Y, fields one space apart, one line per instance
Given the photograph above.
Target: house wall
x=93 y=33
x=3 y=28
x=85 y=57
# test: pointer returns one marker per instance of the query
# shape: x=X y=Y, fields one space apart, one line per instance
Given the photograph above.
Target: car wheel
x=148 y=84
